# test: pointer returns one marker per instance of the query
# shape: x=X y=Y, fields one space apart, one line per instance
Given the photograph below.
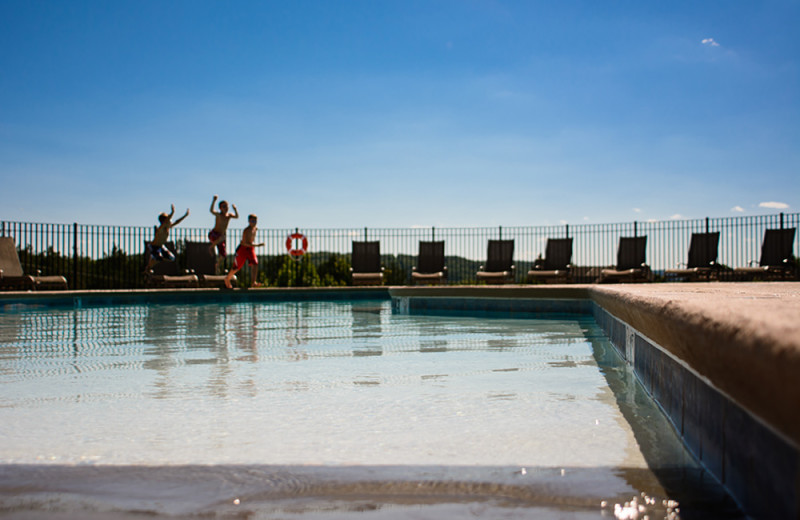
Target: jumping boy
x=217 y=236
x=246 y=252
x=157 y=248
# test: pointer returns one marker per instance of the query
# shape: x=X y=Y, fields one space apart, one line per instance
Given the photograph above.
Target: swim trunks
x=245 y=254
x=160 y=253
x=222 y=246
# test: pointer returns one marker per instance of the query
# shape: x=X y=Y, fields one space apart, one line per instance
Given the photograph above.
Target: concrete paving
x=744 y=338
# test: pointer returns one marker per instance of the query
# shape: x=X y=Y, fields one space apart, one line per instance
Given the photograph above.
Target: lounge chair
x=556 y=264
x=366 y=263
x=201 y=262
x=431 y=269
x=13 y=277
x=167 y=274
x=702 y=264
x=499 y=267
x=631 y=265
x=776 y=257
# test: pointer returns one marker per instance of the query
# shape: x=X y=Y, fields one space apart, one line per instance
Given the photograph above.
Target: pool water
x=337 y=395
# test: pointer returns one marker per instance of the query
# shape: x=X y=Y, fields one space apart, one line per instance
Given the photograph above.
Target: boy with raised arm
x=217 y=236
x=246 y=252
x=157 y=249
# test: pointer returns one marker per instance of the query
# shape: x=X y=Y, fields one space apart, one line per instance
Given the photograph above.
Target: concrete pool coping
x=720 y=359
x=744 y=338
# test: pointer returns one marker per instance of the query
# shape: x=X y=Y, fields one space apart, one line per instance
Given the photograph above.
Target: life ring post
x=296 y=244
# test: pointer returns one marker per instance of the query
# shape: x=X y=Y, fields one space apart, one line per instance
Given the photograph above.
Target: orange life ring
x=297 y=253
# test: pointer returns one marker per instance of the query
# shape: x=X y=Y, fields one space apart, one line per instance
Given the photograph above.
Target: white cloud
x=773 y=205
x=737 y=209
x=676 y=216
x=637 y=210
x=710 y=42
x=586 y=219
x=563 y=222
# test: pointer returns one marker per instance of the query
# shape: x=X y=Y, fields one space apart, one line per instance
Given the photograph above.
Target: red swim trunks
x=221 y=247
x=245 y=254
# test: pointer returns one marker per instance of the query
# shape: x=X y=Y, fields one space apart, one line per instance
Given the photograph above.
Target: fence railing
x=107 y=257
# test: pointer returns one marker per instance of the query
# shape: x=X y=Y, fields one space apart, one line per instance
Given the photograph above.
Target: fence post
x=567 y=230
x=501 y=233
x=75 y=255
x=707 y=228
x=297 y=277
x=365 y=234
x=781 y=220
x=433 y=234
x=635 y=231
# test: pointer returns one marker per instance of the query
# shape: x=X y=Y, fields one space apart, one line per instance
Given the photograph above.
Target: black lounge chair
x=631 y=265
x=167 y=274
x=776 y=257
x=430 y=269
x=499 y=268
x=201 y=262
x=702 y=264
x=366 y=263
x=13 y=277
x=556 y=264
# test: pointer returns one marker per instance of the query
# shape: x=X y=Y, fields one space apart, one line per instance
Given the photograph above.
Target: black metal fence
x=110 y=257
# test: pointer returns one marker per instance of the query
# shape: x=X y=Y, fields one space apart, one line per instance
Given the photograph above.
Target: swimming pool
x=315 y=402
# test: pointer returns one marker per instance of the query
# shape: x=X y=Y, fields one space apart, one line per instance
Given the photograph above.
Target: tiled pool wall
x=758 y=466
x=492 y=307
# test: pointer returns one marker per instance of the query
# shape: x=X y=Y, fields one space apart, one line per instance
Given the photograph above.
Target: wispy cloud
x=676 y=216
x=773 y=205
x=710 y=42
x=737 y=209
x=637 y=210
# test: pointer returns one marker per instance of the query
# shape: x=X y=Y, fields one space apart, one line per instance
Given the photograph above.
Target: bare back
x=162 y=234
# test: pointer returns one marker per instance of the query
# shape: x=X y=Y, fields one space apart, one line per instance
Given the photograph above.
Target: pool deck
x=721 y=359
x=743 y=338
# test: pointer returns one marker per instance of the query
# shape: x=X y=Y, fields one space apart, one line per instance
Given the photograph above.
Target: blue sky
x=399 y=113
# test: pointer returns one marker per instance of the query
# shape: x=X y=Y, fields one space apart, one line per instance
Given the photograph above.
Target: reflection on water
x=323 y=383
x=344 y=382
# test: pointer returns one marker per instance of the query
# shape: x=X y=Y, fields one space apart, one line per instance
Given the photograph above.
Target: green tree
x=298 y=273
x=335 y=271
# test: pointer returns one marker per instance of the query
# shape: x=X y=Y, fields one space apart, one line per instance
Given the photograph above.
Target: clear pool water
x=315 y=403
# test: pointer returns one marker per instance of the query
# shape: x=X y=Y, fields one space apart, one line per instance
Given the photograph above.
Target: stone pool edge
x=719 y=359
